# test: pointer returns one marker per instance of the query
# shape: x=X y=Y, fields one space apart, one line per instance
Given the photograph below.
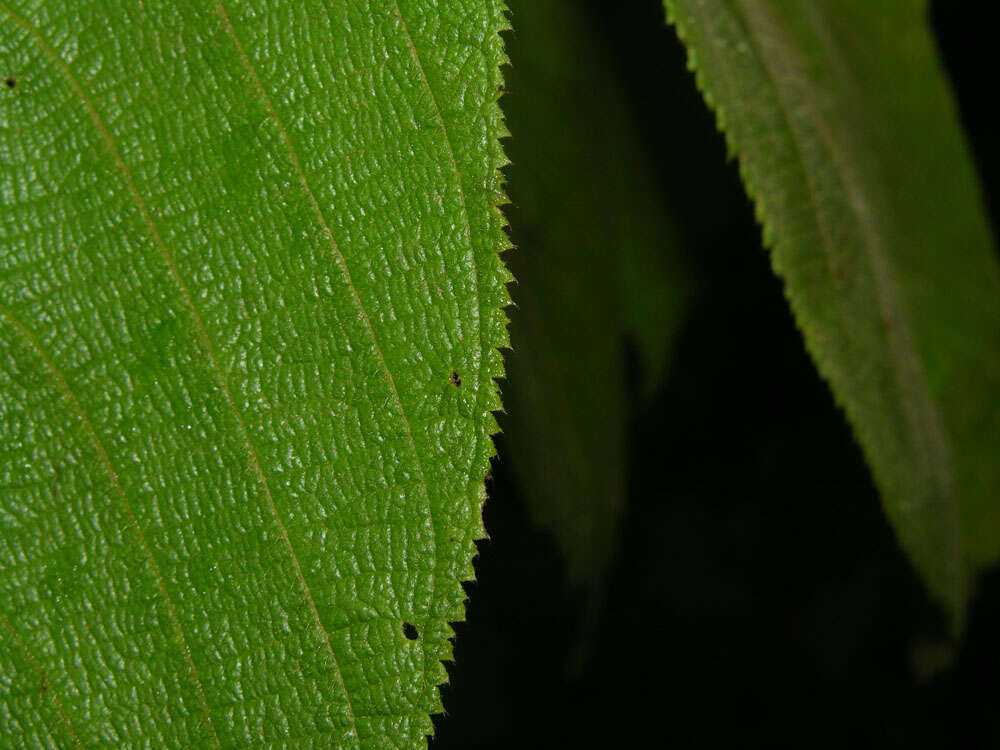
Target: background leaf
x=849 y=145
x=596 y=264
x=250 y=306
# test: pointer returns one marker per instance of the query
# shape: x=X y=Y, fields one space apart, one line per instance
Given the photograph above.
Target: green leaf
x=250 y=309
x=849 y=144
x=595 y=263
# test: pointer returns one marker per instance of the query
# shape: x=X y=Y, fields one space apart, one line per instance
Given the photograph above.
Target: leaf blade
x=597 y=264
x=254 y=276
x=829 y=107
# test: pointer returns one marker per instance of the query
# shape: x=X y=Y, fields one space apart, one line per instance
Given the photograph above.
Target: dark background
x=759 y=598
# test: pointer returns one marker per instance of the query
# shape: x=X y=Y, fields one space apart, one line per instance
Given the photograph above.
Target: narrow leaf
x=849 y=145
x=250 y=311
x=596 y=262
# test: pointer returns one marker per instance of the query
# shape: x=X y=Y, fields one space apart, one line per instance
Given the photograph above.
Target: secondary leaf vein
x=63 y=385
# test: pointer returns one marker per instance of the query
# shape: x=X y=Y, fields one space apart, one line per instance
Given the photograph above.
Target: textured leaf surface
x=250 y=305
x=849 y=145
x=595 y=262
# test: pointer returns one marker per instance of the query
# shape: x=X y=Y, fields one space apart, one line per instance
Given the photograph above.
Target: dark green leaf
x=595 y=263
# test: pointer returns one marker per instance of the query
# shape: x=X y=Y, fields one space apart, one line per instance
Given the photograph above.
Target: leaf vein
x=105 y=460
x=42 y=676
x=261 y=93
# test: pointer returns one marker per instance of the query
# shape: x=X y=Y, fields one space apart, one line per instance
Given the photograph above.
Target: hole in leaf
x=10 y=82
x=410 y=631
x=454 y=379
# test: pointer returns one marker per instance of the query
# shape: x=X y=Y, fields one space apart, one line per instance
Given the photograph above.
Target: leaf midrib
x=918 y=405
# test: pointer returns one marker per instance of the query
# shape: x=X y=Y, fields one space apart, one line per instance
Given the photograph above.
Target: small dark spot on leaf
x=410 y=631
x=10 y=82
x=454 y=379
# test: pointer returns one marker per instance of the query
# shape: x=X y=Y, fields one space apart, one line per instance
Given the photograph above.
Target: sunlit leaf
x=250 y=307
